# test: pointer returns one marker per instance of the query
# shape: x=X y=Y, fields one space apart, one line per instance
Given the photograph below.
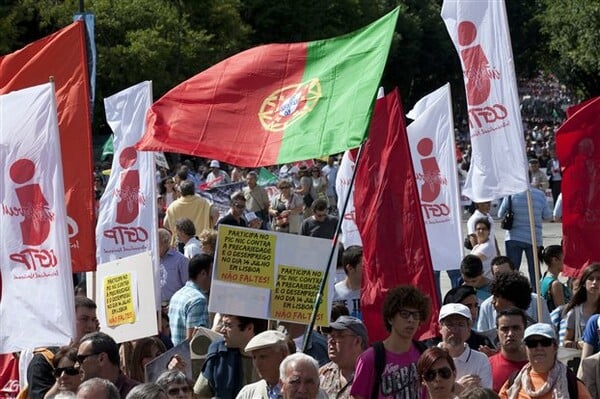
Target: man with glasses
x=268 y=349
x=320 y=224
x=98 y=357
x=228 y=367
x=544 y=376
x=467 y=296
x=404 y=309
x=234 y=217
x=511 y=357
x=472 y=367
x=346 y=340
x=175 y=384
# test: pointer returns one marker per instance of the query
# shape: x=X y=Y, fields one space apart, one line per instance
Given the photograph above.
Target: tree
x=573 y=32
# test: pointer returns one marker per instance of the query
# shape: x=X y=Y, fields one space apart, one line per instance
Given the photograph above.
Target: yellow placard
x=295 y=294
x=118 y=294
x=246 y=257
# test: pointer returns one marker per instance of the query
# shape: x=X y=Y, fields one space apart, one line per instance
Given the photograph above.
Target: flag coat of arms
x=276 y=103
x=35 y=261
x=431 y=140
x=479 y=30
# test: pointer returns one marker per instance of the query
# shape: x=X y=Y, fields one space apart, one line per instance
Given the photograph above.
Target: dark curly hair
x=404 y=296
x=513 y=287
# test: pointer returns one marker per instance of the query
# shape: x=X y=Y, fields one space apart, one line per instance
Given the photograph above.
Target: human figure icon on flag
x=37 y=217
x=431 y=177
x=478 y=80
x=129 y=189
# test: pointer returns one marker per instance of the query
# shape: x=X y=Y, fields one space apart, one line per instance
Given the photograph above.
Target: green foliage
x=573 y=31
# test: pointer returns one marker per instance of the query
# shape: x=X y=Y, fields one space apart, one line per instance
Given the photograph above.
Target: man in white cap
x=268 y=349
x=217 y=176
x=472 y=367
x=544 y=376
x=346 y=339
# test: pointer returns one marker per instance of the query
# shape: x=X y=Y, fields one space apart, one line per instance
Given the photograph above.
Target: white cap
x=454 y=308
x=215 y=164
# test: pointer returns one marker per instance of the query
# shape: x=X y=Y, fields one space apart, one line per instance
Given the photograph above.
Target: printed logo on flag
x=431 y=180
x=285 y=106
x=478 y=81
x=37 y=218
x=129 y=198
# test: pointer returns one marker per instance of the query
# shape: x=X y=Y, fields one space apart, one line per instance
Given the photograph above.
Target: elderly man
x=98 y=388
x=544 y=376
x=257 y=199
x=268 y=349
x=346 y=340
x=299 y=375
x=98 y=356
x=511 y=357
x=472 y=367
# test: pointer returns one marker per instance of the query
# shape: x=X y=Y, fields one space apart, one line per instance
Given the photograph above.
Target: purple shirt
x=173 y=273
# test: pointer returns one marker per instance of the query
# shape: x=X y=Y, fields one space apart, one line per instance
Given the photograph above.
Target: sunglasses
x=67 y=370
x=533 y=343
x=175 y=391
x=444 y=373
x=81 y=358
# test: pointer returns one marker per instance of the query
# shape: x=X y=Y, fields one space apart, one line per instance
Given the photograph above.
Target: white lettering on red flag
x=35 y=260
x=431 y=140
x=480 y=34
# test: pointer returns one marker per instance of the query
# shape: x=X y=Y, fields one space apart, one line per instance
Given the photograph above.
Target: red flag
x=578 y=151
x=62 y=56
x=388 y=215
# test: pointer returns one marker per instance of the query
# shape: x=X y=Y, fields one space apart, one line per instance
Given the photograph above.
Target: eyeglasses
x=81 y=358
x=533 y=343
x=338 y=337
x=67 y=370
x=239 y=206
x=176 y=390
x=451 y=326
x=405 y=314
x=444 y=372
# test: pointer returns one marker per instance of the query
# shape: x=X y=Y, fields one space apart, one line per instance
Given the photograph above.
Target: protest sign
x=270 y=275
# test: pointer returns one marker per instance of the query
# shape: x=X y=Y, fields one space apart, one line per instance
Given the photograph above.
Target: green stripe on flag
x=348 y=70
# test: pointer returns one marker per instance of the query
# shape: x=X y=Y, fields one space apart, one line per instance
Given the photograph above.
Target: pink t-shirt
x=398 y=380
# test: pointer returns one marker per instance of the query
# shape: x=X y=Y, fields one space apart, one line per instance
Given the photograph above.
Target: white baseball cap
x=454 y=308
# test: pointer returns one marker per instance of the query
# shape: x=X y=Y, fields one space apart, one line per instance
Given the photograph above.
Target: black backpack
x=380 y=363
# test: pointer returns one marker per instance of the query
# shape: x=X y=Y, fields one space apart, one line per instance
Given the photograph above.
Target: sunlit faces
x=484 y=207
x=500 y=303
x=510 y=332
x=455 y=330
x=406 y=322
x=267 y=361
x=341 y=345
x=439 y=379
x=501 y=268
x=87 y=360
x=482 y=232
x=592 y=284
x=67 y=375
x=85 y=321
x=473 y=304
x=233 y=334
x=301 y=382
x=541 y=352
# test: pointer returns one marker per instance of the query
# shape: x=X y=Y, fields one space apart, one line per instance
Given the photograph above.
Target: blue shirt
x=590 y=334
x=173 y=273
x=520 y=230
x=188 y=309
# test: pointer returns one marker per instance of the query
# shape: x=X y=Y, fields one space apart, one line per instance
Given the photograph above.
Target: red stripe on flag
x=388 y=215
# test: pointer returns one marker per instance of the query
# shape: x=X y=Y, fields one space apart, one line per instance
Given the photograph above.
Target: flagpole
x=536 y=262
x=334 y=243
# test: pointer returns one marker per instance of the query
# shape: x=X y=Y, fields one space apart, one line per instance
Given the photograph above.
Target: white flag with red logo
x=479 y=30
x=350 y=234
x=127 y=220
x=36 y=299
x=431 y=140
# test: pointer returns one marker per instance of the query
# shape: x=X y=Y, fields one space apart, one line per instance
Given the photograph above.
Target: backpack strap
x=379 y=350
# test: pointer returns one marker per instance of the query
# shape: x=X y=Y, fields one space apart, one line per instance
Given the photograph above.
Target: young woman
x=485 y=248
x=584 y=303
x=67 y=376
x=166 y=189
x=553 y=291
x=437 y=373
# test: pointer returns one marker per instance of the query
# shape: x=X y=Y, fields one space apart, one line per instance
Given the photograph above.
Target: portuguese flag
x=276 y=103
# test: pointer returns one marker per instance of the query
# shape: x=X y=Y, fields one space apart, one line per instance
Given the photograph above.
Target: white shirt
x=192 y=248
x=472 y=362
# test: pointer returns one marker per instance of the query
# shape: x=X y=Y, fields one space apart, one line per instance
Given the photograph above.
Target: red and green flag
x=276 y=103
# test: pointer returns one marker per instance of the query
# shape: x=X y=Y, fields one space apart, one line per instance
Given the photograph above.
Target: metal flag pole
x=334 y=243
